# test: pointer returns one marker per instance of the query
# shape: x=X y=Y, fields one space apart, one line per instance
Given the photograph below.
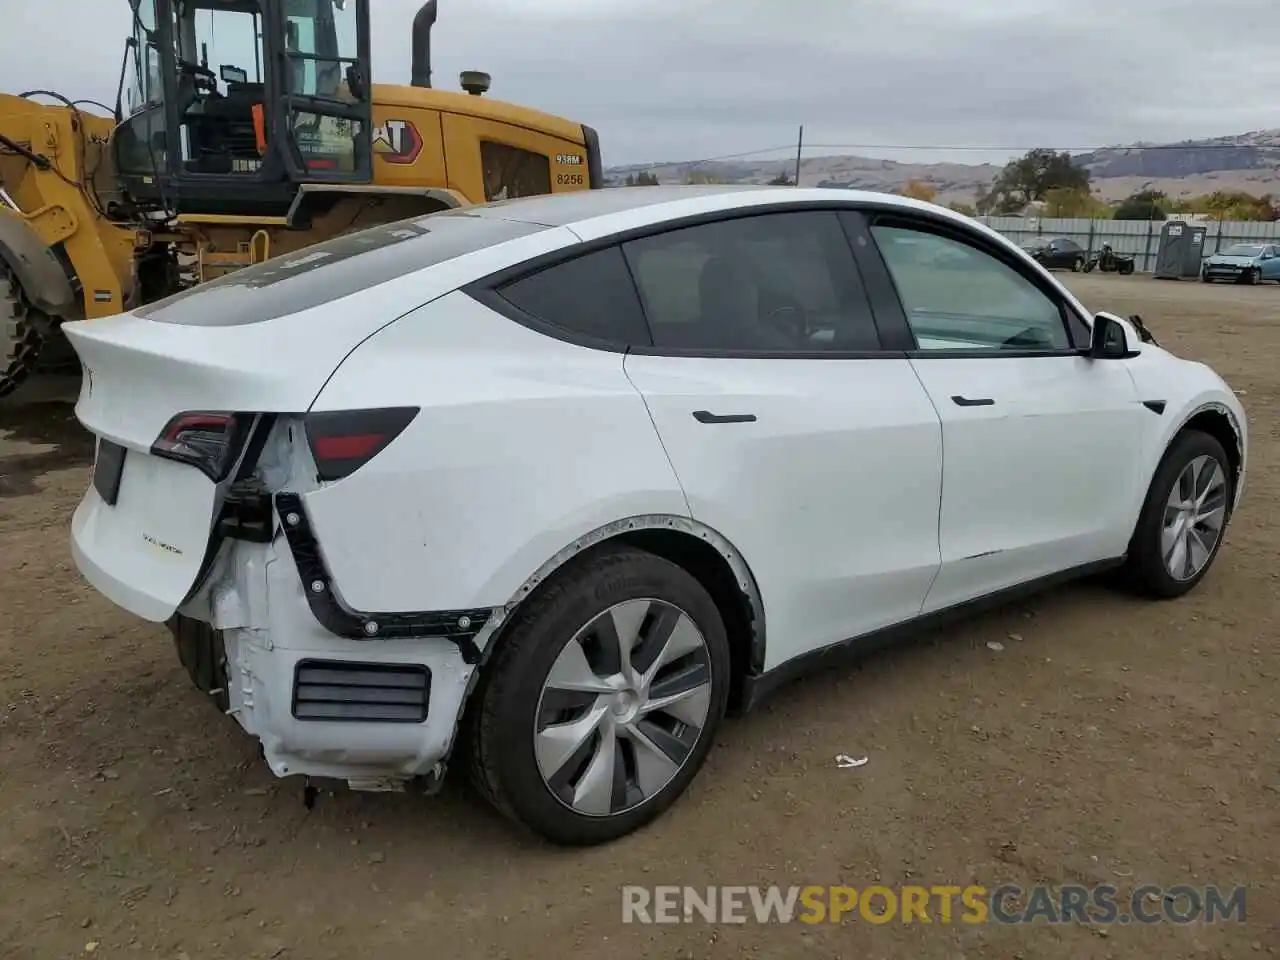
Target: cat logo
x=397 y=141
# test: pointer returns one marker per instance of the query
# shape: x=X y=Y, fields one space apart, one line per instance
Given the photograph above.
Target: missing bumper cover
x=459 y=626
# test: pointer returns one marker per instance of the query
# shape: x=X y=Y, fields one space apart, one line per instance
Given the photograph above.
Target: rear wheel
x=1077 y=264
x=602 y=701
x=201 y=652
x=1184 y=518
x=22 y=334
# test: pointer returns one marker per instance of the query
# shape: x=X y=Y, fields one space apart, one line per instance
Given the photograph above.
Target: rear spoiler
x=595 y=168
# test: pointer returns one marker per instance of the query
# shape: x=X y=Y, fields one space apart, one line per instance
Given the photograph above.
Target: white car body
x=860 y=498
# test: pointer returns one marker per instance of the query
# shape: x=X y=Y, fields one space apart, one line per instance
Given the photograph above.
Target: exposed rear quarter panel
x=523 y=445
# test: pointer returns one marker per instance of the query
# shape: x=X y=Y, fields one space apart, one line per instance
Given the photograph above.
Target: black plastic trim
x=417 y=671
x=218 y=531
x=247 y=513
x=758 y=686
x=459 y=626
x=595 y=165
x=960 y=401
x=1155 y=406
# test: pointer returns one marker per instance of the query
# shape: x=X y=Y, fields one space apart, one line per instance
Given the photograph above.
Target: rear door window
x=783 y=283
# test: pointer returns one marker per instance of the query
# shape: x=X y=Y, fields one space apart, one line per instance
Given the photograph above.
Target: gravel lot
x=1109 y=741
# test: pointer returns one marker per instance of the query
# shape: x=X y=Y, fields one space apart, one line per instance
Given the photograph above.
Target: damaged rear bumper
x=371 y=699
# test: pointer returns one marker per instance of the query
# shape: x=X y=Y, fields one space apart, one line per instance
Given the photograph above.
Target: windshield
x=1243 y=250
x=1035 y=243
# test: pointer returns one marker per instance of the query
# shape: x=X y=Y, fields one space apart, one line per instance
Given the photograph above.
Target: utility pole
x=799 y=149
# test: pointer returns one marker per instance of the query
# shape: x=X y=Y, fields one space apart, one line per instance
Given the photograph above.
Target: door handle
x=974 y=402
x=706 y=416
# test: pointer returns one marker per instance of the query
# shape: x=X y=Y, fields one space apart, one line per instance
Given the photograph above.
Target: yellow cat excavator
x=242 y=129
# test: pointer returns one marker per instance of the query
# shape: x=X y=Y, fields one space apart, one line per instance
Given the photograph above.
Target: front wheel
x=1077 y=264
x=603 y=699
x=1253 y=277
x=1183 y=519
x=1089 y=265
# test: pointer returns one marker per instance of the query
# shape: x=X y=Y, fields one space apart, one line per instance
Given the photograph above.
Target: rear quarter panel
x=523 y=445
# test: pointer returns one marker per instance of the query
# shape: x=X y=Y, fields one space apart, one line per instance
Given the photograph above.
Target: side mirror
x=232 y=74
x=1110 y=340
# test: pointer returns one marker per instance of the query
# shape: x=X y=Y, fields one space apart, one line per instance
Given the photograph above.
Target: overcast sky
x=691 y=79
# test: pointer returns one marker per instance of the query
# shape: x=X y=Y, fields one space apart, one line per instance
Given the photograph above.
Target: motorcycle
x=1107 y=260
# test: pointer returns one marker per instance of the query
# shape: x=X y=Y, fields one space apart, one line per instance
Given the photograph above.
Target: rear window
x=336 y=268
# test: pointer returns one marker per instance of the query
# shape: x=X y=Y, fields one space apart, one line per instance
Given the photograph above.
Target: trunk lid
x=261 y=340
x=155 y=395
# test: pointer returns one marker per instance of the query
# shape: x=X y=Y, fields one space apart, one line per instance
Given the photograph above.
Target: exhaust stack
x=423 y=21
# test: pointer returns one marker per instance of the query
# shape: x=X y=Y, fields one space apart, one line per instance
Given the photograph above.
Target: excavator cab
x=233 y=103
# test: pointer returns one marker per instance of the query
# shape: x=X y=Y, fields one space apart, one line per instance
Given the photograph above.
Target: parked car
x=1056 y=253
x=1243 y=262
x=560 y=480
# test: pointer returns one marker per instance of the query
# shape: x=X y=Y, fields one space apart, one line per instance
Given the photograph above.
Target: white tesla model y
x=551 y=484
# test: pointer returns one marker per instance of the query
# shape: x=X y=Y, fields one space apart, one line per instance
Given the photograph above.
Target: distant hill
x=1247 y=161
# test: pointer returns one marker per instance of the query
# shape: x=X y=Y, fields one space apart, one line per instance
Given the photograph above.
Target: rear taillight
x=208 y=441
x=343 y=441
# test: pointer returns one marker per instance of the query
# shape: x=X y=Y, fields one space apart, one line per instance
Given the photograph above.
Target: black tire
x=1077 y=264
x=501 y=720
x=1253 y=277
x=1144 y=571
x=21 y=338
x=201 y=652
x=1126 y=269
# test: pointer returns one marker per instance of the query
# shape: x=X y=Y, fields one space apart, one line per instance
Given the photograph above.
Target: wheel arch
x=1219 y=422
x=706 y=554
x=36 y=267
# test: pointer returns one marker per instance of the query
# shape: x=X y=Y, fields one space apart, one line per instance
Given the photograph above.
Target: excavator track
x=22 y=334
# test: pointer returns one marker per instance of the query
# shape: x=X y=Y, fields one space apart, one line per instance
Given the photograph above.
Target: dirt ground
x=1109 y=741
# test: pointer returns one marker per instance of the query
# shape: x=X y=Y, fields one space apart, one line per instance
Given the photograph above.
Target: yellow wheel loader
x=242 y=129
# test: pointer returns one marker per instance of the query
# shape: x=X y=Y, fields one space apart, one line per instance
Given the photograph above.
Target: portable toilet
x=1174 y=251
x=1196 y=235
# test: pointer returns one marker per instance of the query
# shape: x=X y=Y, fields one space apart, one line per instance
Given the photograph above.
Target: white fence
x=1138 y=237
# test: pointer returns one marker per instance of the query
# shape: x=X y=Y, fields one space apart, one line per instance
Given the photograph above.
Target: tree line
x=1051 y=180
